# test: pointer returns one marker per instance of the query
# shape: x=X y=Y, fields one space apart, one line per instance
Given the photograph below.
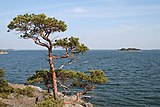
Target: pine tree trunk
x=53 y=72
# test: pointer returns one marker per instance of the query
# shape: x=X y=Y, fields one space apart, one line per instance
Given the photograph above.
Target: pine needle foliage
x=83 y=80
x=71 y=45
x=50 y=102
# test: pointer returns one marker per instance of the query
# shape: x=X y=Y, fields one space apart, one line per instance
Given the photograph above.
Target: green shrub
x=3 y=104
x=28 y=91
x=50 y=102
x=1 y=72
x=3 y=82
x=5 y=89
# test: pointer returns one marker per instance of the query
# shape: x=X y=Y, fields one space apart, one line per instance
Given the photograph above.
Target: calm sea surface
x=134 y=77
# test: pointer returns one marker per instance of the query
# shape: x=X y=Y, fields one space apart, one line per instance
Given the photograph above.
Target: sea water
x=134 y=77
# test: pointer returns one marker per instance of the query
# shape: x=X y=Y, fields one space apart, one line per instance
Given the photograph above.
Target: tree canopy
x=36 y=27
x=70 y=78
x=71 y=45
x=32 y=24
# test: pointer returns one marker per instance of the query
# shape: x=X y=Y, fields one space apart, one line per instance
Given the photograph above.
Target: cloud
x=116 y=11
x=79 y=10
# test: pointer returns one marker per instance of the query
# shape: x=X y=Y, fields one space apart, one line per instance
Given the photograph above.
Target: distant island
x=129 y=49
x=3 y=52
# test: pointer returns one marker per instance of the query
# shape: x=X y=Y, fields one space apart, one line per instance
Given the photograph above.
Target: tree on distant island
x=129 y=49
x=39 y=28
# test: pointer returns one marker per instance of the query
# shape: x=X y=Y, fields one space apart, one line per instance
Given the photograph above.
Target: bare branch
x=44 y=36
x=55 y=38
x=63 y=86
x=74 y=100
x=66 y=63
x=79 y=94
x=67 y=55
x=37 y=41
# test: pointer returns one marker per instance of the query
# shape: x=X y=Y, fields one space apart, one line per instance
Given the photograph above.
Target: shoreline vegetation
x=34 y=96
x=22 y=95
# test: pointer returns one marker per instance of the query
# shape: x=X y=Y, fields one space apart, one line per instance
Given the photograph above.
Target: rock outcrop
x=13 y=100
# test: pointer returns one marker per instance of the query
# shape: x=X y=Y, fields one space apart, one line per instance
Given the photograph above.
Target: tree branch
x=74 y=100
x=63 y=86
x=64 y=56
x=65 y=63
x=37 y=41
x=79 y=94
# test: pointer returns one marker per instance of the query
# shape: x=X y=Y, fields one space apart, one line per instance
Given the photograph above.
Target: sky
x=100 y=24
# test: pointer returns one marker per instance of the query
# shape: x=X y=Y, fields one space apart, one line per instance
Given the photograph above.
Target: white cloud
x=117 y=11
x=79 y=10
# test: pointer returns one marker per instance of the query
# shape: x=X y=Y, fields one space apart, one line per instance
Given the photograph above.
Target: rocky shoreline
x=3 y=52
x=39 y=95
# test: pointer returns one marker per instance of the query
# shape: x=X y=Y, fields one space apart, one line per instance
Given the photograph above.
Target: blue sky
x=100 y=24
